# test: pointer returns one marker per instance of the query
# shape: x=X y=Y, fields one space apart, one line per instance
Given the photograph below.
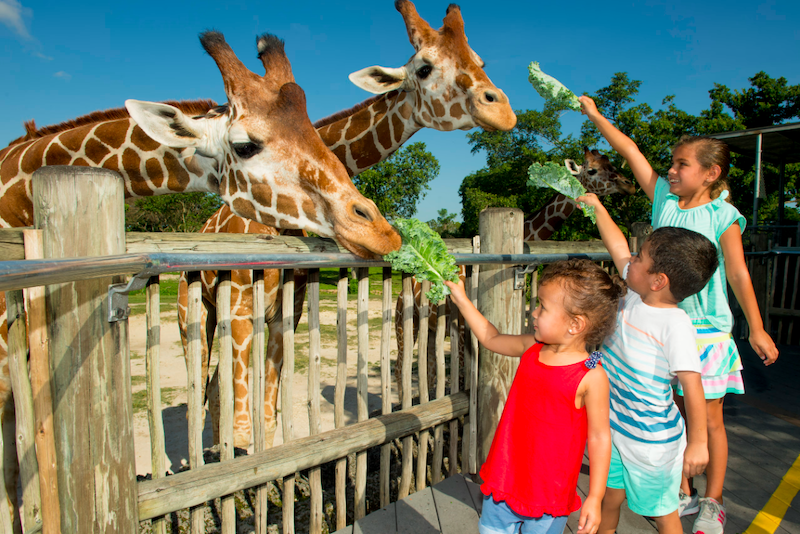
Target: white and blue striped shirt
x=649 y=346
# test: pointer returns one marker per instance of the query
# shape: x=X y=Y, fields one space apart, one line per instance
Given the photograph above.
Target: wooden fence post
x=80 y=212
x=501 y=233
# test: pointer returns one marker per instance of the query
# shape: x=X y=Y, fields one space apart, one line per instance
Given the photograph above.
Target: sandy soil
x=173 y=382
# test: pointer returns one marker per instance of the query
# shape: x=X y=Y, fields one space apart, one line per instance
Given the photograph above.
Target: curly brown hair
x=590 y=292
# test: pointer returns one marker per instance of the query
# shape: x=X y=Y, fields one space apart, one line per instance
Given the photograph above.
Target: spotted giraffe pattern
x=443 y=86
x=259 y=152
x=596 y=174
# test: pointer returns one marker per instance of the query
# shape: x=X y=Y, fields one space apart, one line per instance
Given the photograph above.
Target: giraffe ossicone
x=443 y=86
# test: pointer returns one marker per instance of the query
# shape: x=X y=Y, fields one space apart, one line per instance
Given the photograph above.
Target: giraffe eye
x=246 y=150
x=424 y=71
x=591 y=172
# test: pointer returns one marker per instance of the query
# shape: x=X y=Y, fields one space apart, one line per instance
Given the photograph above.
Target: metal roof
x=779 y=144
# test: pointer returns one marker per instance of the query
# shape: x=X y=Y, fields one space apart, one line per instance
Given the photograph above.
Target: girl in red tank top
x=557 y=402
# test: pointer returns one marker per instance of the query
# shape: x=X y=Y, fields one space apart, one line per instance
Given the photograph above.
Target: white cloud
x=42 y=56
x=63 y=75
x=11 y=13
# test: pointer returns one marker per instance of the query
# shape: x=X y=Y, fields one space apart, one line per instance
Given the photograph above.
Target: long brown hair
x=710 y=152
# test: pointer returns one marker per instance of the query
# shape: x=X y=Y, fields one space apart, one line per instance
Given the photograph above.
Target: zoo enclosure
x=155 y=498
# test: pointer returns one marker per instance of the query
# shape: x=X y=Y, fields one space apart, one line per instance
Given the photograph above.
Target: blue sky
x=62 y=59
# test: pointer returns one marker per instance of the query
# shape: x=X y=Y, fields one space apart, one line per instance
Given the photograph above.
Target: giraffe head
x=445 y=76
x=597 y=174
x=268 y=162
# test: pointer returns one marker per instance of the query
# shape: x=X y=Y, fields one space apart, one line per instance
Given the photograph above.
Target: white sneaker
x=688 y=505
x=711 y=519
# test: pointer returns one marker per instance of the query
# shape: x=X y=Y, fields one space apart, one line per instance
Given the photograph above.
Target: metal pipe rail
x=18 y=274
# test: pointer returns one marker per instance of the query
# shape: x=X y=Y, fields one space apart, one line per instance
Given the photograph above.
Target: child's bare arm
x=739 y=278
x=695 y=458
x=599 y=445
x=623 y=144
x=610 y=233
x=486 y=332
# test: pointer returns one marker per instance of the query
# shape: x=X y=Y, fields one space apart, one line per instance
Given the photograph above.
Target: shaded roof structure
x=777 y=144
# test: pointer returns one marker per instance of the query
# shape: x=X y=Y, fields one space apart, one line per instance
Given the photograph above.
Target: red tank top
x=538 y=447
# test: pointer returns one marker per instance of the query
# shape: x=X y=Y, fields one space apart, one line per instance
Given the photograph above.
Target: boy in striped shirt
x=652 y=346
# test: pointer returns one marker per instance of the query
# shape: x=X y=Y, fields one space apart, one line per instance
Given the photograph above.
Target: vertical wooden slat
x=362 y=323
x=23 y=406
x=341 y=387
x=454 y=388
x=386 y=380
x=42 y=392
x=257 y=360
x=314 y=417
x=422 y=378
x=793 y=301
x=408 y=348
x=225 y=373
x=194 y=389
x=153 y=379
x=438 y=431
x=287 y=402
x=472 y=465
x=6 y=522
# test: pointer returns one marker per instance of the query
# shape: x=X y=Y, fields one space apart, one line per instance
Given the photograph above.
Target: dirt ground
x=173 y=382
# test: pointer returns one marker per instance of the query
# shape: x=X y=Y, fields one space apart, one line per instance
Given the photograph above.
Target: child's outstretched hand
x=458 y=293
x=589 y=520
x=588 y=107
x=590 y=199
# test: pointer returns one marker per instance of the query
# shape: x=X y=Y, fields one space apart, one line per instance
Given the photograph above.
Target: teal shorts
x=652 y=489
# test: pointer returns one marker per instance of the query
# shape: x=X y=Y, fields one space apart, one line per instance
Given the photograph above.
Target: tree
x=183 y=212
x=397 y=184
x=767 y=102
x=445 y=224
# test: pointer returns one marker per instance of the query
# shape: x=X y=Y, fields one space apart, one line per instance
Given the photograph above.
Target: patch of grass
x=168 y=289
x=140 y=398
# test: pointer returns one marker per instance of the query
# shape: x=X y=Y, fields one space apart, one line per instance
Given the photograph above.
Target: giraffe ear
x=573 y=167
x=379 y=80
x=166 y=124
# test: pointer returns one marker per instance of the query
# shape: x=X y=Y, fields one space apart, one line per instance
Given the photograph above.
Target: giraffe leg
x=208 y=325
x=242 y=333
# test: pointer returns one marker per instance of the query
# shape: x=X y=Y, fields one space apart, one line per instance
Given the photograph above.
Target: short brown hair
x=590 y=292
x=685 y=256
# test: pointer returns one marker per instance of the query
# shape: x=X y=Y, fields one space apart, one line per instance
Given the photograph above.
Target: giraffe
x=259 y=152
x=596 y=174
x=443 y=86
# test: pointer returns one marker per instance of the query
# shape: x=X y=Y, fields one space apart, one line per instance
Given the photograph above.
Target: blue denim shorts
x=498 y=518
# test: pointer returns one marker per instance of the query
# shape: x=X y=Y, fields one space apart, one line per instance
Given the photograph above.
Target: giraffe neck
x=545 y=222
x=371 y=131
x=147 y=167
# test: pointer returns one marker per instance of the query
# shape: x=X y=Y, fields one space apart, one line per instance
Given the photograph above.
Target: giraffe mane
x=348 y=112
x=190 y=107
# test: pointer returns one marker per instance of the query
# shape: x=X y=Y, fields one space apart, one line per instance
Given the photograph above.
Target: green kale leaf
x=424 y=254
x=551 y=89
x=559 y=178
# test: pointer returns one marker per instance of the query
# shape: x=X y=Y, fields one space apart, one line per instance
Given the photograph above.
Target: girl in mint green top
x=693 y=196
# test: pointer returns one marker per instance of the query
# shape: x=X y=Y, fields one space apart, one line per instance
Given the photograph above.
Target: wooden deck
x=763 y=469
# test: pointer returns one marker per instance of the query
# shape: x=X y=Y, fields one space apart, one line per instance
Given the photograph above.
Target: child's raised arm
x=610 y=233
x=486 y=332
x=623 y=144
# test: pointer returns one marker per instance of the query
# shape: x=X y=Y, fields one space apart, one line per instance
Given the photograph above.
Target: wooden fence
x=82 y=436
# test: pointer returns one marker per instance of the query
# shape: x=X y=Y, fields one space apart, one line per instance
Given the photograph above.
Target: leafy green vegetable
x=559 y=178
x=551 y=89
x=424 y=255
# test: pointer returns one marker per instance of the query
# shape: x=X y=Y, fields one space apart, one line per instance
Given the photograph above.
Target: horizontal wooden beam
x=190 y=488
